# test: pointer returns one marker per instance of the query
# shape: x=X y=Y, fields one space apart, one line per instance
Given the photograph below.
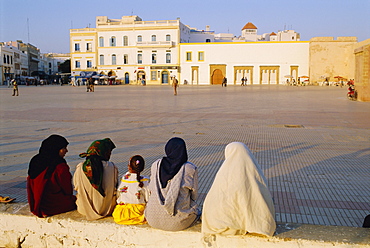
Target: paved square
x=312 y=143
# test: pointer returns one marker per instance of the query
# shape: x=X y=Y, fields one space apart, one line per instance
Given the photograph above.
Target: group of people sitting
x=238 y=202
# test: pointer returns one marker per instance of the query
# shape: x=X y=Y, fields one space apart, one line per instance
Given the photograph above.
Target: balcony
x=155 y=44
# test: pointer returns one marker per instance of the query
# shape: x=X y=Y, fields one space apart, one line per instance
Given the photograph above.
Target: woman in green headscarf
x=95 y=181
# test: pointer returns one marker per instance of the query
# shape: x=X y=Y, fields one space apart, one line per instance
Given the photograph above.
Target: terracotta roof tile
x=249 y=25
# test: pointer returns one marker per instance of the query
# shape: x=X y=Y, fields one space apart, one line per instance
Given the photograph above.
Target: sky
x=46 y=23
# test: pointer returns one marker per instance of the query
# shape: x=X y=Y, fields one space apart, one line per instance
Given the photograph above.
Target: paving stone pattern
x=312 y=143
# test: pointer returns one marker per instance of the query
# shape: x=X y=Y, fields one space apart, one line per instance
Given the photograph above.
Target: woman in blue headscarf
x=174 y=189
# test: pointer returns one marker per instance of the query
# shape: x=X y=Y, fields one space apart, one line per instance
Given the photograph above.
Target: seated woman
x=49 y=182
x=174 y=188
x=239 y=201
x=132 y=194
x=95 y=181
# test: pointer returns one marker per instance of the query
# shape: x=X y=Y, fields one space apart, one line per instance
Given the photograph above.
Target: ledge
x=20 y=228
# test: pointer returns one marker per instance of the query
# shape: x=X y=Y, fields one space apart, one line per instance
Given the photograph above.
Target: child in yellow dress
x=133 y=194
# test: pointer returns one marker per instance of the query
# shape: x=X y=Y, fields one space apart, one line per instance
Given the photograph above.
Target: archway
x=217 y=77
x=127 y=78
x=164 y=77
x=140 y=76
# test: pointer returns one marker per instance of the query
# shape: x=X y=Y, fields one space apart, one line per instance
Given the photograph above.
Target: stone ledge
x=20 y=228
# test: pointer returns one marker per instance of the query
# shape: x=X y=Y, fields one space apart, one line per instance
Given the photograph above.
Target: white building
x=129 y=49
x=259 y=62
x=14 y=62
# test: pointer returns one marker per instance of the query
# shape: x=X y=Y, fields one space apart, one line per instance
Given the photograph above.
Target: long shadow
x=334 y=189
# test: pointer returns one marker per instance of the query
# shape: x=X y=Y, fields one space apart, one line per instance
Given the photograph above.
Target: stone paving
x=312 y=143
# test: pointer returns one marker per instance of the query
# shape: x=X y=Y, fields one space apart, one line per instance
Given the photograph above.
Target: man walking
x=15 y=87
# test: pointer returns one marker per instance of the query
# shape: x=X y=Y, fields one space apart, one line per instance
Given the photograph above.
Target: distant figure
x=239 y=201
x=175 y=84
x=174 y=189
x=242 y=84
x=245 y=81
x=95 y=181
x=132 y=194
x=49 y=182
x=15 y=87
x=224 y=82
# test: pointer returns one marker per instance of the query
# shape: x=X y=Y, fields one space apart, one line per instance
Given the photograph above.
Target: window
x=88 y=63
x=125 y=59
x=4 y=59
x=114 y=60
x=113 y=41
x=77 y=47
x=125 y=40
x=153 y=75
x=139 y=38
x=168 y=37
x=154 y=58
x=101 y=41
x=139 y=58
x=101 y=59
x=154 y=38
x=168 y=58
x=88 y=47
x=200 y=56
x=77 y=64
x=188 y=56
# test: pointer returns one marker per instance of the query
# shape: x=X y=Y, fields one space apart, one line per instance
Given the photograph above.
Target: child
x=133 y=194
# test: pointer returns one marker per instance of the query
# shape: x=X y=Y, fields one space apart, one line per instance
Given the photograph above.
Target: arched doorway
x=217 y=77
x=164 y=77
x=127 y=78
x=140 y=76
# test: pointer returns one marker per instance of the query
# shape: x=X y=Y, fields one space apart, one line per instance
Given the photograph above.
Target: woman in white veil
x=239 y=201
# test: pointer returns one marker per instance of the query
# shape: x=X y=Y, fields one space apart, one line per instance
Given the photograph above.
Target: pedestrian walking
x=175 y=84
x=242 y=84
x=15 y=88
x=224 y=82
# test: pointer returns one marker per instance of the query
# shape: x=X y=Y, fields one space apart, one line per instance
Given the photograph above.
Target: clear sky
x=46 y=23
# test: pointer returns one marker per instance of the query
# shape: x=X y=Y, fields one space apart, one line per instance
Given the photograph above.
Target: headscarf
x=93 y=168
x=239 y=200
x=176 y=156
x=48 y=156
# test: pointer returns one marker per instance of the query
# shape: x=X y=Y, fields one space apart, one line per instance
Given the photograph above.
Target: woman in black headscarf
x=49 y=182
x=174 y=189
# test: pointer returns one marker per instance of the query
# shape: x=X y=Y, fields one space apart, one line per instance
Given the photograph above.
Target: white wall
x=256 y=54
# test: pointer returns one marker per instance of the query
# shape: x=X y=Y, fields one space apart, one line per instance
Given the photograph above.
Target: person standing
x=175 y=84
x=224 y=82
x=242 y=81
x=91 y=83
x=15 y=87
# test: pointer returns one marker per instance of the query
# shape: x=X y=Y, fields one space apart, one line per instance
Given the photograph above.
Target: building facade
x=259 y=62
x=14 y=62
x=129 y=49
